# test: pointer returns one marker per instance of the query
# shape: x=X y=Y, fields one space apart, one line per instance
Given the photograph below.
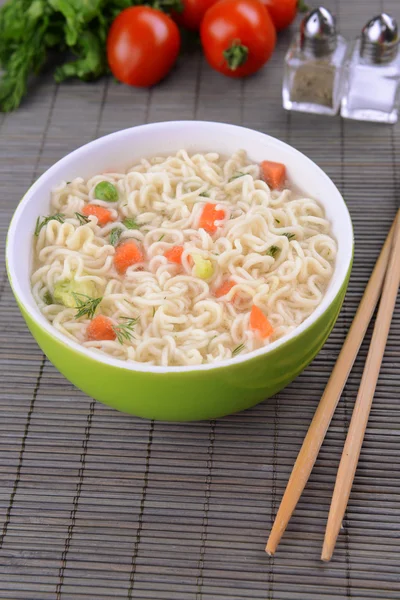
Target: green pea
x=106 y=191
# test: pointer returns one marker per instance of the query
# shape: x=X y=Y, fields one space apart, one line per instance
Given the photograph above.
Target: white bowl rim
x=337 y=281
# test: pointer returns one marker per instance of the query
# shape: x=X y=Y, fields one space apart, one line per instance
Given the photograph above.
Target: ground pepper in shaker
x=373 y=73
x=314 y=66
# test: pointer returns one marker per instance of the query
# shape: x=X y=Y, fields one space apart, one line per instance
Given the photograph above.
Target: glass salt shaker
x=314 y=66
x=373 y=73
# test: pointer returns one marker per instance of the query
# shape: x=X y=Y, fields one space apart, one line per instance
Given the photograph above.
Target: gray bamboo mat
x=95 y=504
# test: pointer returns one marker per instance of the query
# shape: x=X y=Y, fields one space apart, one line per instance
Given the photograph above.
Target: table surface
x=95 y=504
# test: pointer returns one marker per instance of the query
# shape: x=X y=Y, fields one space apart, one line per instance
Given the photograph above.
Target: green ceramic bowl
x=180 y=393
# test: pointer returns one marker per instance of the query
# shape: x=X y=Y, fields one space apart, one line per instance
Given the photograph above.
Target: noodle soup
x=183 y=260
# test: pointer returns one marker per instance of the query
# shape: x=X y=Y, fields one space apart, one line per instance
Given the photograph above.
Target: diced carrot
x=100 y=328
x=260 y=323
x=224 y=288
x=274 y=174
x=208 y=217
x=103 y=215
x=174 y=254
x=126 y=254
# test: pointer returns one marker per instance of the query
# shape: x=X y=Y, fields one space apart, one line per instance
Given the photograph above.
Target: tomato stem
x=302 y=6
x=236 y=55
x=167 y=5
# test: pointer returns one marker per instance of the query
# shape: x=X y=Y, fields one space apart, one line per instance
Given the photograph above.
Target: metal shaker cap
x=318 y=34
x=380 y=39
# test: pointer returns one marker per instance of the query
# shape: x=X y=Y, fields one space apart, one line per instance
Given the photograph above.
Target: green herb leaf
x=204 y=195
x=237 y=350
x=290 y=236
x=115 y=234
x=130 y=224
x=238 y=174
x=277 y=221
x=154 y=310
x=59 y=217
x=86 y=305
x=162 y=237
x=106 y=191
x=83 y=219
x=168 y=5
x=124 y=331
x=273 y=251
x=48 y=298
x=23 y=28
x=91 y=61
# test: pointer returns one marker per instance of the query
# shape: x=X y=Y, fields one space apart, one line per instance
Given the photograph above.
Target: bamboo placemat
x=95 y=504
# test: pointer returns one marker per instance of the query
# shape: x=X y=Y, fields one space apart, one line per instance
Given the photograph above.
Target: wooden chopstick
x=327 y=405
x=359 y=420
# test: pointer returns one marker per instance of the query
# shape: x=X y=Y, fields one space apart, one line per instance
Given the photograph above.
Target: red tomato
x=142 y=46
x=282 y=12
x=238 y=36
x=193 y=13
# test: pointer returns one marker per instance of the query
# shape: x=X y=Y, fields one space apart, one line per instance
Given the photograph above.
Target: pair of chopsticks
x=384 y=283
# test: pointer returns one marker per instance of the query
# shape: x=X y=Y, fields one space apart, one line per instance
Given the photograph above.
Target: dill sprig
x=40 y=224
x=83 y=219
x=162 y=237
x=237 y=350
x=48 y=298
x=238 y=174
x=86 y=305
x=204 y=195
x=273 y=251
x=124 y=331
x=115 y=234
x=289 y=236
x=130 y=224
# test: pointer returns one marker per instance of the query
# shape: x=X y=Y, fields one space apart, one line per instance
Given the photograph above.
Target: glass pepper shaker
x=314 y=66
x=373 y=73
